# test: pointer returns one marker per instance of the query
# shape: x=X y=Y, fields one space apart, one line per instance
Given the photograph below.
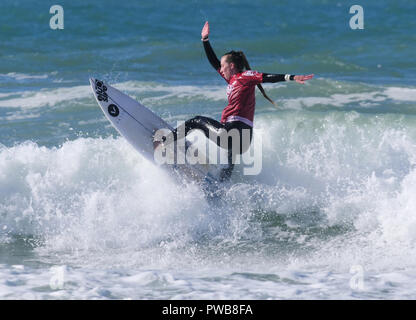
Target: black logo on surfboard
x=101 y=91
x=113 y=110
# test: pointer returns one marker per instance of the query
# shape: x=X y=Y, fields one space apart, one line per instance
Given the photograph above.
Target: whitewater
x=334 y=200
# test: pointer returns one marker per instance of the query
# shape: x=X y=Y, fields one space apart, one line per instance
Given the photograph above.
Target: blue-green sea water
x=332 y=214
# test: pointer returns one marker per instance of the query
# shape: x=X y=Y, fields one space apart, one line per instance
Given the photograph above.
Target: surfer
x=239 y=113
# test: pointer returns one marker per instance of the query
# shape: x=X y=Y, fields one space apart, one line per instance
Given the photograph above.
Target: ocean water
x=332 y=214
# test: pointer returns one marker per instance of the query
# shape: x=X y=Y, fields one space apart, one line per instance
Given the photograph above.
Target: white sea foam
x=20 y=115
x=401 y=94
x=152 y=94
x=45 y=97
x=364 y=99
x=278 y=282
x=21 y=76
x=162 y=91
x=43 y=191
x=335 y=100
x=336 y=192
x=52 y=97
x=99 y=194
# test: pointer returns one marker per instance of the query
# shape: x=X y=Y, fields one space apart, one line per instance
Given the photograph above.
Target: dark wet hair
x=236 y=57
x=240 y=61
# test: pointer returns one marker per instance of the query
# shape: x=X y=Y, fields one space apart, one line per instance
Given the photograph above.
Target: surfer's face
x=227 y=68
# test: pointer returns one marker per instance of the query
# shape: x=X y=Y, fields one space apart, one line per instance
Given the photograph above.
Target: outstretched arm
x=212 y=58
x=269 y=77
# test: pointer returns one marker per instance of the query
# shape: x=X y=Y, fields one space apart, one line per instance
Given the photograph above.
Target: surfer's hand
x=301 y=79
x=205 y=31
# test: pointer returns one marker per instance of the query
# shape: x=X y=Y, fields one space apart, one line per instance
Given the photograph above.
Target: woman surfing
x=239 y=113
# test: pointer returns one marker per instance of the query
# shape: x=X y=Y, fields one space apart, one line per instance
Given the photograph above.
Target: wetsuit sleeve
x=270 y=77
x=212 y=58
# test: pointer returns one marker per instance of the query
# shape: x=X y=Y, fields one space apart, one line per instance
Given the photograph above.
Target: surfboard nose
x=92 y=81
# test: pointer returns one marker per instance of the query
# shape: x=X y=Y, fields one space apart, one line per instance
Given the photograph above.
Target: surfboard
x=138 y=125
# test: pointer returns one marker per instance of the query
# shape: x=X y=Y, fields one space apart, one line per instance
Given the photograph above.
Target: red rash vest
x=241 y=97
x=240 y=90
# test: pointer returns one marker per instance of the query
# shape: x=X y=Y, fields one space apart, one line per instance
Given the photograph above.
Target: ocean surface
x=331 y=215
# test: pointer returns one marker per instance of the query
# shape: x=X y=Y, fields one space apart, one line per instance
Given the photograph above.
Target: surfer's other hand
x=205 y=31
x=302 y=78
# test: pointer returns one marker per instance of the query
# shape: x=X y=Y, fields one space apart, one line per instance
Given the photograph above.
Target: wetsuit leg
x=210 y=127
x=243 y=145
x=213 y=130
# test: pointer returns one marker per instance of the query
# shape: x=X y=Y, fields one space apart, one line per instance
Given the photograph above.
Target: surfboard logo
x=101 y=91
x=113 y=110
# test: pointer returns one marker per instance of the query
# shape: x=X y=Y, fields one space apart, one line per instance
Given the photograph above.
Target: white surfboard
x=137 y=124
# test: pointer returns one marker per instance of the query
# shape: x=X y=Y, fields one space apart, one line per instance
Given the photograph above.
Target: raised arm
x=212 y=58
